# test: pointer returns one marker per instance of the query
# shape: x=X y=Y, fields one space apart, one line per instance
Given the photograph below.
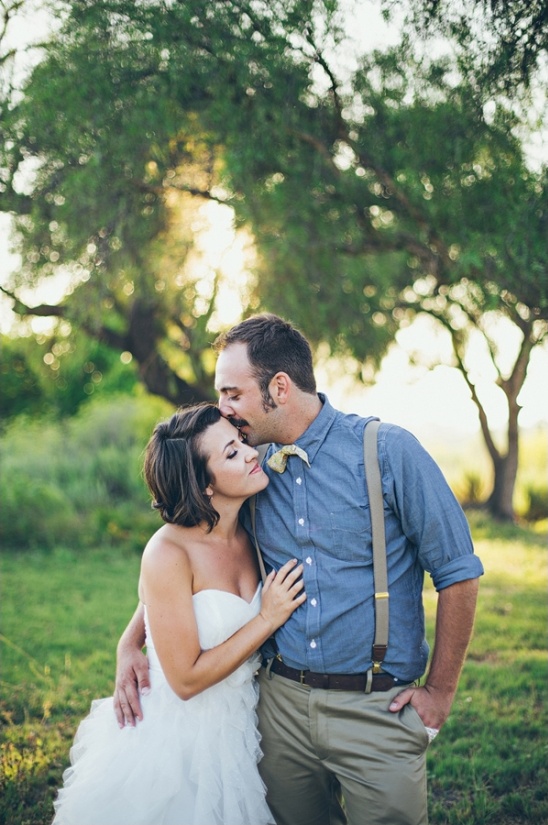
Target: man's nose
x=225 y=408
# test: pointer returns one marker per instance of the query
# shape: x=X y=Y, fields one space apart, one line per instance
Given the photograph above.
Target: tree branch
x=41 y=311
x=489 y=442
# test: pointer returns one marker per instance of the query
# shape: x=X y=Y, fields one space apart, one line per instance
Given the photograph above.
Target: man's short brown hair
x=273 y=345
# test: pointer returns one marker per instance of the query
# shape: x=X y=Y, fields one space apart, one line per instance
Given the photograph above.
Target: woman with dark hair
x=192 y=759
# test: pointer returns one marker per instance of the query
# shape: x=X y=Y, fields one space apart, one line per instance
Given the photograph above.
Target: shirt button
x=313 y=602
x=313 y=643
x=299 y=481
x=301 y=521
x=308 y=560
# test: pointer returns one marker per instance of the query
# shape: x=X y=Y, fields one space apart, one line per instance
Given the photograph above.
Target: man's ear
x=280 y=387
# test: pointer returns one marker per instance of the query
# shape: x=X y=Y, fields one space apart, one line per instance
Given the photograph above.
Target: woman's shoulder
x=168 y=547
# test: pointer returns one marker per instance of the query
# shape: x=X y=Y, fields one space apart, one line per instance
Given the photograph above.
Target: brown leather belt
x=336 y=681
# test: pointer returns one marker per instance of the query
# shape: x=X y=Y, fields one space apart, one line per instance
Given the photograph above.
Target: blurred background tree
x=373 y=193
x=505 y=38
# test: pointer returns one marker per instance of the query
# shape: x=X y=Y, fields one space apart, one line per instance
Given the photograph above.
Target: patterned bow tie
x=278 y=461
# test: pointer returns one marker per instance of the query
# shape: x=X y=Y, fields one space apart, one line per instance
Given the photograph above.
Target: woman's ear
x=209 y=490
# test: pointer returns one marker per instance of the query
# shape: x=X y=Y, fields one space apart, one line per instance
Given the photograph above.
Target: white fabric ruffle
x=188 y=762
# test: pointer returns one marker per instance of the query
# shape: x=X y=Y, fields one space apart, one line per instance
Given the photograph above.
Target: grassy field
x=62 y=613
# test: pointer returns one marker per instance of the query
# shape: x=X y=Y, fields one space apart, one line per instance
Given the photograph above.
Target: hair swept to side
x=273 y=345
x=175 y=467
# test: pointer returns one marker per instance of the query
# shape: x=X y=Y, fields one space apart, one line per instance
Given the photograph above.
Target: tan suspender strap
x=373 y=481
x=262 y=448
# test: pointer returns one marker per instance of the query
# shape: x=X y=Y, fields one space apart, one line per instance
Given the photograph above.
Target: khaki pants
x=319 y=744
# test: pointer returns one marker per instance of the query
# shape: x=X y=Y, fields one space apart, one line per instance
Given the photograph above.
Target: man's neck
x=304 y=411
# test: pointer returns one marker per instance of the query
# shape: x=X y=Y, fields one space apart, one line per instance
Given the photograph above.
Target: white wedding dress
x=188 y=762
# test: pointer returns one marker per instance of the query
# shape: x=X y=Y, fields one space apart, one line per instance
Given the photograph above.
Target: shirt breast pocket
x=351 y=532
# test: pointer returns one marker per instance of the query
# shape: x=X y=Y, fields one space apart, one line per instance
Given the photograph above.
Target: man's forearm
x=454 y=625
x=134 y=634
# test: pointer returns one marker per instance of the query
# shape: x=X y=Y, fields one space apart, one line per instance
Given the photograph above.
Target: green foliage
x=61 y=655
x=472 y=490
x=21 y=389
x=418 y=204
x=504 y=43
x=56 y=375
x=143 y=95
x=78 y=483
x=537 y=503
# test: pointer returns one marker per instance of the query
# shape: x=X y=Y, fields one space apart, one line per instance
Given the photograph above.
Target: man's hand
x=432 y=705
x=132 y=679
x=131 y=671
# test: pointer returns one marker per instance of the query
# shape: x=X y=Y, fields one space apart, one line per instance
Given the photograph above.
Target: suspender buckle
x=377 y=658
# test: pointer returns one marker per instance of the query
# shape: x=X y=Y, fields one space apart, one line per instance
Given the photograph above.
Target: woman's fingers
x=290 y=572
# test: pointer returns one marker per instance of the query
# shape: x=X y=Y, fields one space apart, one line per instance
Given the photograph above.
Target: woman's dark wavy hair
x=175 y=467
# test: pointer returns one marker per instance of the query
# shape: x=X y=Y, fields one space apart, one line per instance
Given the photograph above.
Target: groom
x=327 y=737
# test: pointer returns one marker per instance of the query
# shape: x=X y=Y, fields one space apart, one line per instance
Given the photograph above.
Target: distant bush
x=77 y=482
x=472 y=490
x=537 y=503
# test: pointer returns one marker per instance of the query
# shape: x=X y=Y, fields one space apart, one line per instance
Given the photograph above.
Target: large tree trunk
x=505 y=465
x=143 y=340
x=160 y=379
x=500 y=502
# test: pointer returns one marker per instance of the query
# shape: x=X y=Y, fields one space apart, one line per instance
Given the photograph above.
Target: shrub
x=78 y=482
x=471 y=492
x=537 y=502
x=34 y=513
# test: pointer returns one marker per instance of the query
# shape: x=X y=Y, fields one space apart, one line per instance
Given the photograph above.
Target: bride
x=192 y=759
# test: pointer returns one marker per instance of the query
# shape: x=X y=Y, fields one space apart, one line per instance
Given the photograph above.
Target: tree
x=42 y=375
x=371 y=197
x=508 y=39
x=416 y=204
x=112 y=185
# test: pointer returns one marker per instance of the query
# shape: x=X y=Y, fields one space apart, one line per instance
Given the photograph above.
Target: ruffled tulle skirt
x=187 y=763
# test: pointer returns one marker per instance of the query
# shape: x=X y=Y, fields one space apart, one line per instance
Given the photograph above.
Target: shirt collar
x=313 y=437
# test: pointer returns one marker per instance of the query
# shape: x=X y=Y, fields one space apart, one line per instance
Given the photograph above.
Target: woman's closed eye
x=234 y=452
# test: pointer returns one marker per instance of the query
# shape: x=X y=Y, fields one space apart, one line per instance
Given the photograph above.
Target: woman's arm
x=166 y=584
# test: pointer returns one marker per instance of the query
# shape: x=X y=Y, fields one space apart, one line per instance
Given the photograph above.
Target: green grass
x=490 y=763
x=63 y=611
x=62 y=614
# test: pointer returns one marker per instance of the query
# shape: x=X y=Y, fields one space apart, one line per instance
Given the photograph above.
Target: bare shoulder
x=167 y=552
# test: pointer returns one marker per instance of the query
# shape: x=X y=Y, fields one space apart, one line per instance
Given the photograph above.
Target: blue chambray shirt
x=320 y=515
